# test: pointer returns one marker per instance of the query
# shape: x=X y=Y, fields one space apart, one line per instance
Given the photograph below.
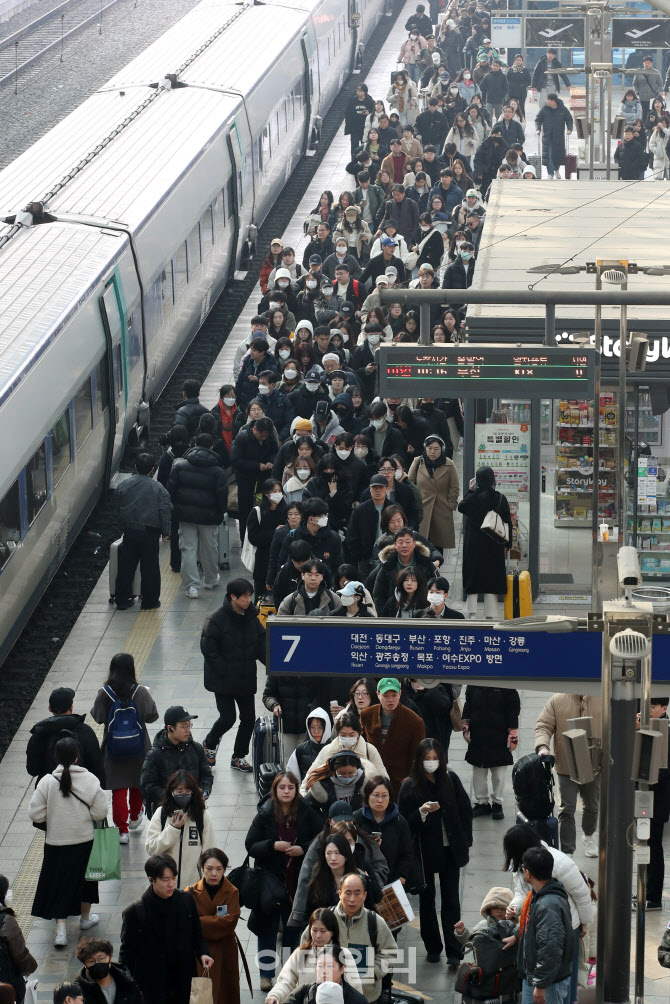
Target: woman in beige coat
x=436 y=477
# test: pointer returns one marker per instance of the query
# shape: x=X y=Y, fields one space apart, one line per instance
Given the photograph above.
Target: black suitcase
x=267 y=772
x=266 y=744
x=546 y=829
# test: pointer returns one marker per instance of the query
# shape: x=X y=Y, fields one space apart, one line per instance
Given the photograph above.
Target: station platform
x=165 y=644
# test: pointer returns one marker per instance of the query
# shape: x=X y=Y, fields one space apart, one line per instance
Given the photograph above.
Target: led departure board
x=486 y=371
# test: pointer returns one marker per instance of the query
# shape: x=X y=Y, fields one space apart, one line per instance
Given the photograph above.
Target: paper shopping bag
x=201 y=990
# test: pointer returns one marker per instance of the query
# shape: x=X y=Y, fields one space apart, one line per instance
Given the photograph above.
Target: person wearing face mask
x=262 y=522
x=325 y=543
x=347 y=738
x=385 y=438
x=460 y=273
x=489 y=157
x=353 y=601
x=101 y=979
x=259 y=329
x=311 y=390
x=334 y=489
x=281 y=293
x=173 y=749
x=287 y=262
x=340 y=256
x=467 y=87
x=288 y=577
x=10 y=932
x=326 y=308
x=291 y=378
x=318 y=728
x=438 y=811
x=363 y=360
x=347 y=465
x=428 y=247
x=343 y=406
x=300 y=443
x=301 y=470
x=341 y=778
x=181 y=826
x=276 y=404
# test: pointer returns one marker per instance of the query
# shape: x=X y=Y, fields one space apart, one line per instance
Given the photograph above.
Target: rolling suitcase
x=535 y=160
x=519 y=595
x=114 y=567
x=546 y=829
x=266 y=744
x=224 y=545
x=570 y=163
x=266 y=775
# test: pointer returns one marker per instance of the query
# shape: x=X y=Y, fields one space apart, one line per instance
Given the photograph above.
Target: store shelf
x=572 y=504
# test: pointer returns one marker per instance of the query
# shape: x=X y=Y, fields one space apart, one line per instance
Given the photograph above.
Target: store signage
x=641 y=33
x=486 y=370
x=506 y=32
x=506 y=449
x=555 y=32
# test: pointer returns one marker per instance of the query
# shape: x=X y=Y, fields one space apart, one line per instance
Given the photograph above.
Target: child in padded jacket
x=664 y=949
x=493 y=910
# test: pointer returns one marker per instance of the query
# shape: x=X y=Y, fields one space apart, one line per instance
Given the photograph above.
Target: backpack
x=533 y=784
x=125 y=729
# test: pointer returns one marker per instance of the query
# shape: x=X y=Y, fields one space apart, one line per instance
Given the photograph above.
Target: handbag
x=494 y=527
x=104 y=862
x=201 y=989
x=247 y=881
x=456 y=715
x=248 y=555
x=233 y=498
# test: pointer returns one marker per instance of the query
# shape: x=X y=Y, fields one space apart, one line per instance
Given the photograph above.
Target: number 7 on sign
x=294 y=639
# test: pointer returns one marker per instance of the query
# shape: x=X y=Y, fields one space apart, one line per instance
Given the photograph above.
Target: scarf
x=525 y=910
x=400 y=97
x=432 y=465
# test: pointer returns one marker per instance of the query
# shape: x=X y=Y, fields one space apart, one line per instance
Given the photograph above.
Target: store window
x=10 y=524
x=36 y=482
x=60 y=446
x=83 y=413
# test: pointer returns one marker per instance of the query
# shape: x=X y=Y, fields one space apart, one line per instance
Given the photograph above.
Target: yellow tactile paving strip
x=139 y=643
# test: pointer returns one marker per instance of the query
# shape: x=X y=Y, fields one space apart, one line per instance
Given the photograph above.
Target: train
x=120 y=228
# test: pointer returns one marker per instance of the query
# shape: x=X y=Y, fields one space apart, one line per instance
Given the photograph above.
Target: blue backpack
x=125 y=729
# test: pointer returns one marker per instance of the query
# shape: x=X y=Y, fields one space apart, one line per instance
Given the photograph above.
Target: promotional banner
x=506 y=32
x=555 y=32
x=641 y=33
x=505 y=448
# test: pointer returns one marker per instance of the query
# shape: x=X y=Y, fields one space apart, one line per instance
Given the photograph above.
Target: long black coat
x=434 y=704
x=232 y=643
x=396 y=840
x=298 y=695
x=553 y=122
x=483 y=558
x=44 y=735
x=160 y=957
x=491 y=713
x=362 y=531
x=631 y=158
x=427 y=837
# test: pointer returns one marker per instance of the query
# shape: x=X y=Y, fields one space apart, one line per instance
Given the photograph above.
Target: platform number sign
x=294 y=639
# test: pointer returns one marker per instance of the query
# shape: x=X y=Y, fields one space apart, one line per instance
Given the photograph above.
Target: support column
x=535 y=495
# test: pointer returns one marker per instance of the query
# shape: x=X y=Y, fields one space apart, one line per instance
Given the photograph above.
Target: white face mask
x=9 y=896
x=430 y=766
x=290 y=374
x=322 y=521
x=398 y=475
x=378 y=422
x=273 y=305
x=361 y=452
x=435 y=599
x=347 y=601
x=311 y=284
x=424 y=227
x=466 y=76
x=303 y=474
x=229 y=401
x=327 y=290
x=263 y=389
x=282 y=283
x=284 y=353
x=341 y=250
x=343 y=454
x=373 y=339
x=275 y=496
x=310 y=385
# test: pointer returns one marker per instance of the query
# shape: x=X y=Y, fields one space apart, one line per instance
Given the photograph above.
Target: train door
x=308 y=88
x=112 y=309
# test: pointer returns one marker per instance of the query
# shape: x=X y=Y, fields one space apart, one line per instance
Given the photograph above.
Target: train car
x=119 y=229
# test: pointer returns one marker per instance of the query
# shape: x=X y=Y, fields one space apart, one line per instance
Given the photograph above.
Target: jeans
x=413 y=71
x=226 y=708
x=450 y=909
x=555 y=994
x=550 y=162
x=267 y=941
x=120 y=806
x=574 y=971
x=481 y=786
x=495 y=111
x=142 y=546
x=568 y=790
x=198 y=541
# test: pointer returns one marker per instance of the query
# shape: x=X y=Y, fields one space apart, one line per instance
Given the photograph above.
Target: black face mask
x=427 y=408
x=99 y=970
x=184 y=800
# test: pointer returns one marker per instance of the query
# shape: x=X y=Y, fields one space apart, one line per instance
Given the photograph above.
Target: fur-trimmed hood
x=388 y=551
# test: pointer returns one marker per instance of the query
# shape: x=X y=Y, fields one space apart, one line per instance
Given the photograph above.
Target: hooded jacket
x=164 y=758
x=325 y=544
x=304 y=755
x=389 y=568
x=396 y=843
x=327 y=432
x=371 y=762
x=299 y=972
x=40 y=758
x=232 y=644
x=198 y=488
x=546 y=944
x=127 y=990
x=69 y=820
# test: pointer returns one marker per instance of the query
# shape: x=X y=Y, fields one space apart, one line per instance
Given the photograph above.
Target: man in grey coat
x=144 y=507
x=648 y=84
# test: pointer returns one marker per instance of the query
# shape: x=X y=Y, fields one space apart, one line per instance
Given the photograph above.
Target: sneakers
x=481 y=809
x=214 y=584
x=60 y=940
x=90 y=921
x=210 y=755
x=590 y=845
x=134 y=824
x=123 y=838
x=651 y=904
x=497 y=811
x=241 y=763
x=433 y=957
x=192 y=593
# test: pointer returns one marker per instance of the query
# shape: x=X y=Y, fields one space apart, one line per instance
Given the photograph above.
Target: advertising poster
x=641 y=33
x=505 y=448
x=555 y=32
x=506 y=32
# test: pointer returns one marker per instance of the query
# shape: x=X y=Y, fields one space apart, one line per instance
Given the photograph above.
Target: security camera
x=576 y=745
x=628 y=567
x=647 y=755
x=636 y=353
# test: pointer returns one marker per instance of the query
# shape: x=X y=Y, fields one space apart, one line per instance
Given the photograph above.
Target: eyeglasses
x=386 y=470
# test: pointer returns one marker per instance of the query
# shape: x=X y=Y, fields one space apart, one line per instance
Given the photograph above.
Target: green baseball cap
x=388 y=683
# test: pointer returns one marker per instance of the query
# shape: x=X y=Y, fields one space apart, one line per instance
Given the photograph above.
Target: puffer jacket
x=396 y=843
x=198 y=488
x=385 y=581
x=295 y=604
x=44 y=735
x=127 y=990
x=232 y=643
x=371 y=762
x=24 y=963
x=553 y=722
x=569 y=875
x=545 y=949
x=163 y=759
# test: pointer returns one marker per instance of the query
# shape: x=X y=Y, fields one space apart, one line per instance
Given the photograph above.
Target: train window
x=219 y=214
x=207 y=224
x=118 y=370
x=101 y=388
x=83 y=415
x=167 y=289
x=240 y=189
x=266 y=142
x=60 y=445
x=298 y=94
x=36 y=482
x=194 y=250
x=10 y=524
x=180 y=270
x=276 y=128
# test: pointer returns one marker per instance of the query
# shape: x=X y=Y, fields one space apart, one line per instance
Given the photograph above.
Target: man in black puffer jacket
x=62 y=724
x=232 y=642
x=199 y=493
x=173 y=749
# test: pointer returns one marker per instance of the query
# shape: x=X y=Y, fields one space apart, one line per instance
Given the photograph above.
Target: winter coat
x=396 y=96
x=326 y=545
x=569 y=875
x=363 y=235
x=352 y=470
x=163 y=759
x=632 y=160
x=439 y=496
x=299 y=971
x=386 y=540
x=518 y=82
x=630 y=110
x=434 y=705
x=356 y=932
x=362 y=531
x=396 y=843
x=40 y=757
x=407 y=50
x=468 y=89
x=512 y=132
x=356 y=114
x=491 y=713
x=375 y=197
x=552 y=722
x=220 y=935
x=279 y=410
x=339 y=504
x=657 y=145
x=184 y=843
x=124 y=773
x=306 y=994
x=402 y=739
x=298 y=696
x=232 y=644
x=304 y=403
x=494 y=87
x=288 y=452
x=427 y=836
x=245 y=389
x=467 y=145
x=69 y=820
x=160 y=953
x=433 y=128
x=295 y=604
x=23 y=962
x=546 y=944
x=262 y=522
x=390 y=566
x=198 y=488
x=304 y=755
x=189 y=415
x=551 y=82
x=553 y=122
x=371 y=762
x=405 y=215
x=437 y=424
x=328 y=267
x=484 y=568
x=246 y=457
x=322 y=794
x=488 y=159
x=378 y=265
x=127 y=990
x=453 y=196
x=456 y=277
x=327 y=433
x=648 y=86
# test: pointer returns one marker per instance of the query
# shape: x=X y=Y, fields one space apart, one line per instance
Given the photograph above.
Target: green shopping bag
x=105 y=860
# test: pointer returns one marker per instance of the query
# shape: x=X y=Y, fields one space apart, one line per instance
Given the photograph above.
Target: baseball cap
x=426 y=267
x=383 y=278
x=315 y=259
x=346 y=309
x=326 y=281
x=177 y=713
x=378 y=479
x=391 y=270
x=340 y=812
x=472 y=192
x=388 y=683
x=60 y=700
x=352 y=588
x=314 y=374
x=388 y=242
x=322 y=410
x=276 y=240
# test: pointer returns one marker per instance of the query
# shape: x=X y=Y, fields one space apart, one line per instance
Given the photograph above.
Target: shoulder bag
x=248 y=555
x=495 y=527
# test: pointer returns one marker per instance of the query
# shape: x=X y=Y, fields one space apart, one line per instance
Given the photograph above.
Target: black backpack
x=533 y=784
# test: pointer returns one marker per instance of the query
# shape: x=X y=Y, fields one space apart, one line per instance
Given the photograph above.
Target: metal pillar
x=642 y=868
x=535 y=495
x=550 y=324
x=597 y=554
x=621 y=424
x=469 y=421
x=424 y=324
